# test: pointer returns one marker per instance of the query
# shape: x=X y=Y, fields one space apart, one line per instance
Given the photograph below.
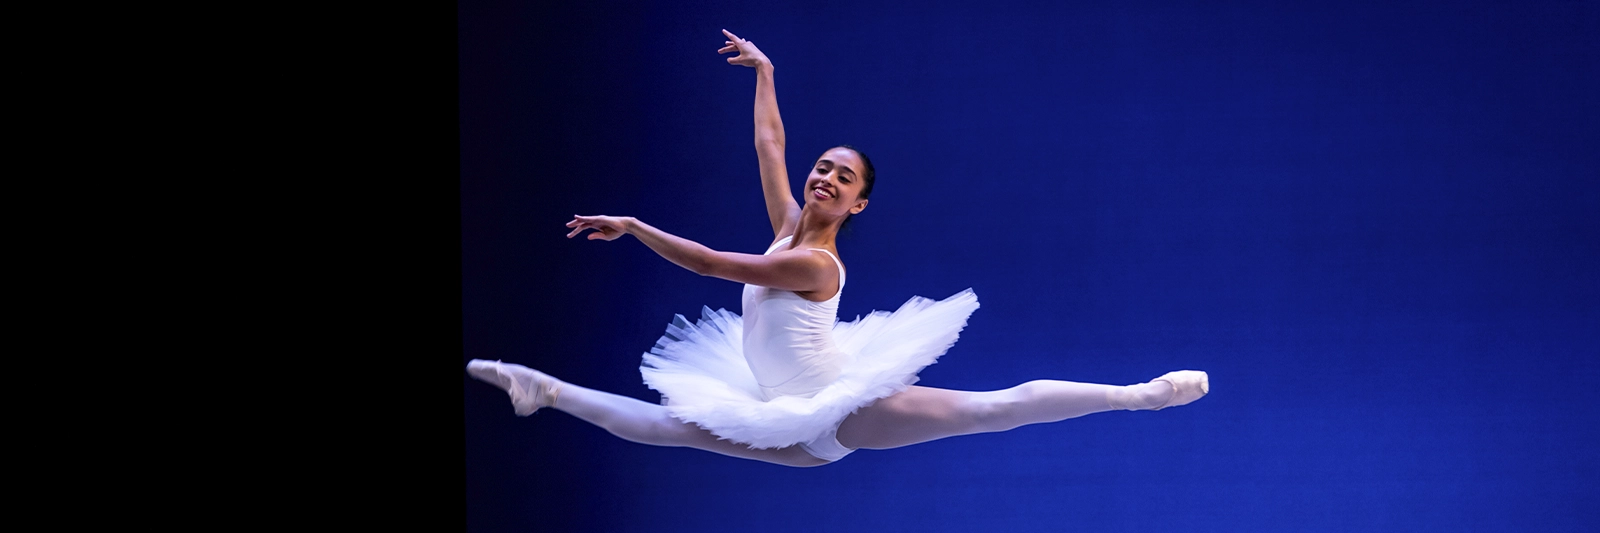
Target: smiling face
x=836 y=182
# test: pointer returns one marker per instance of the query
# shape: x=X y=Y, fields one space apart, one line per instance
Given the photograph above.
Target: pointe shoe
x=530 y=389
x=1187 y=386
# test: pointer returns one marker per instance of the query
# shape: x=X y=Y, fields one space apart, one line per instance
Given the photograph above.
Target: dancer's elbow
x=769 y=142
x=704 y=264
x=721 y=265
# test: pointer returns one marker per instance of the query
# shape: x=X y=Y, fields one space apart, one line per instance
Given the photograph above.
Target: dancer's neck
x=816 y=230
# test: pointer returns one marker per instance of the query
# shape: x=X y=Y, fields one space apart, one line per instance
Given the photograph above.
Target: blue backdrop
x=1375 y=225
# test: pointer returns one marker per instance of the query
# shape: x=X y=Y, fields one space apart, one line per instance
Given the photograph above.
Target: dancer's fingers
x=577 y=227
x=730 y=35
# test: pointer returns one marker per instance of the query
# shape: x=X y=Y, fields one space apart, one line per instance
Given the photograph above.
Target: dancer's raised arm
x=781 y=206
x=790 y=270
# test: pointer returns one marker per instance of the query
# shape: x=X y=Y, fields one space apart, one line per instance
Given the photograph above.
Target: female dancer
x=785 y=383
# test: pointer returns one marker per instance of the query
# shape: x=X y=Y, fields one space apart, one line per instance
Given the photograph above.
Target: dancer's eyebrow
x=842 y=168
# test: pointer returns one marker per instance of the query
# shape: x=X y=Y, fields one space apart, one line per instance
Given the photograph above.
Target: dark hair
x=868 y=175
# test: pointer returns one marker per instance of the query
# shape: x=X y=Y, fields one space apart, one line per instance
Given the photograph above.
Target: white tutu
x=701 y=373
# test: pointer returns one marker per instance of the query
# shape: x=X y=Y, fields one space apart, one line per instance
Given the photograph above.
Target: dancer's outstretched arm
x=782 y=208
x=790 y=270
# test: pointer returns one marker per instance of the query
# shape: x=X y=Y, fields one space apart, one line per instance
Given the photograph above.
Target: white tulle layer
x=701 y=373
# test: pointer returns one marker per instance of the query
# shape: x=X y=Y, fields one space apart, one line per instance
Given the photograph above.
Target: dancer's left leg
x=627 y=418
x=922 y=414
x=648 y=423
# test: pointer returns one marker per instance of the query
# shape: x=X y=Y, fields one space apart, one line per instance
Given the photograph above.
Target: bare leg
x=647 y=423
x=922 y=414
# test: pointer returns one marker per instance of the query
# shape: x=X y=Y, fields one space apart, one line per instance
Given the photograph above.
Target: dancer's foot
x=530 y=389
x=1174 y=388
x=1187 y=386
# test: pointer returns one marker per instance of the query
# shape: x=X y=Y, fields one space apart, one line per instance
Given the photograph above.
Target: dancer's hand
x=605 y=228
x=749 y=55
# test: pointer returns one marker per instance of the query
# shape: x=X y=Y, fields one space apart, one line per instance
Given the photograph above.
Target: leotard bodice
x=788 y=340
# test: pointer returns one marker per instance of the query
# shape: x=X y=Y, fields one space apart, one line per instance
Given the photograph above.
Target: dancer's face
x=835 y=182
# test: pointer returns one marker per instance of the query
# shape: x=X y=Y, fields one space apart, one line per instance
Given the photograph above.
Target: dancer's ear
x=859 y=207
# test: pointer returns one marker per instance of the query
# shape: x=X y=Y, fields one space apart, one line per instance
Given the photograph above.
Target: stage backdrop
x=1377 y=226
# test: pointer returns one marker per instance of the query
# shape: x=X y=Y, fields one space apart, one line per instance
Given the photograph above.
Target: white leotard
x=788 y=340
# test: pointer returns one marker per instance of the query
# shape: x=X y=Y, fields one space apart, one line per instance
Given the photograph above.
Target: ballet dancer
x=786 y=382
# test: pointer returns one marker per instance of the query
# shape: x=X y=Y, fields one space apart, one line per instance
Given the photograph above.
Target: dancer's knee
x=1004 y=410
x=674 y=433
x=661 y=431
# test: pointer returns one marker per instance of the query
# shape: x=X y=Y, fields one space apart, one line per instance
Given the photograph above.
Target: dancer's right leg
x=922 y=414
x=631 y=419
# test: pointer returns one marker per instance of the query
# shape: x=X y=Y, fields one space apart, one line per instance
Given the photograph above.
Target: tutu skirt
x=701 y=373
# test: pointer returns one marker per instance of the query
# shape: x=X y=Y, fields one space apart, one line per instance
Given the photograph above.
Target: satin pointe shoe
x=1187 y=386
x=530 y=389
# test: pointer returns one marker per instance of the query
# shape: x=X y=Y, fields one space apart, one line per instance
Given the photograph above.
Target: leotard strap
x=779 y=243
x=835 y=259
x=836 y=262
